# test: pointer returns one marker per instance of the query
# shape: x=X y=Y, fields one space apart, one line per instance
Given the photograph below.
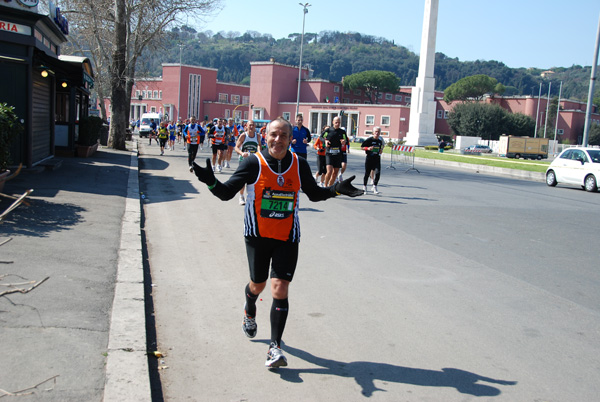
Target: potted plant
x=10 y=128
x=89 y=134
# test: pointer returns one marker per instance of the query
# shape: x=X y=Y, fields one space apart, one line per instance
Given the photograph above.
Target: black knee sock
x=250 y=302
x=279 y=313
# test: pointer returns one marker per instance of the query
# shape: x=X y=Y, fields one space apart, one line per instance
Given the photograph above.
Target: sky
x=518 y=33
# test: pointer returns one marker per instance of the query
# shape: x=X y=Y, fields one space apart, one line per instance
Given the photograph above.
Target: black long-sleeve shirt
x=247 y=173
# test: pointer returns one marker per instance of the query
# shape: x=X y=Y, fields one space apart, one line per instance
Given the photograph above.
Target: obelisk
x=421 y=128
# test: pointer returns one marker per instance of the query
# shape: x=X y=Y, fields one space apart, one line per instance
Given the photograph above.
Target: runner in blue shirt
x=300 y=137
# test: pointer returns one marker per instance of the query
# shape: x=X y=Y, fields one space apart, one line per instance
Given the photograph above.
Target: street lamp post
x=305 y=7
x=179 y=85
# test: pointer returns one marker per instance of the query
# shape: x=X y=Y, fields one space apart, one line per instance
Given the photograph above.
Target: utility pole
x=547 y=108
x=588 y=111
x=305 y=6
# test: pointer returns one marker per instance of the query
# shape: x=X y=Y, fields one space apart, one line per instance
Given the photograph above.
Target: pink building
x=185 y=90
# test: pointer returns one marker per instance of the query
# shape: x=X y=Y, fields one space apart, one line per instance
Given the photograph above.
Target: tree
x=519 y=124
x=116 y=32
x=478 y=120
x=373 y=82
x=594 y=134
x=470 y=88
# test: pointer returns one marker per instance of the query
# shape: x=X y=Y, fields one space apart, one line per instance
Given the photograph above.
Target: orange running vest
x=272 y=202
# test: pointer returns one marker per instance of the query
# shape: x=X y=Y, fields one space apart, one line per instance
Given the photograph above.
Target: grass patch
x=488 y=160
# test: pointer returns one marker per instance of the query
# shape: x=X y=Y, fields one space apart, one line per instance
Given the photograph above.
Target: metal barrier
x=403 y=155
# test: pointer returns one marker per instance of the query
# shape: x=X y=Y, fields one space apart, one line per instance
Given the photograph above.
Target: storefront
x=47 y=92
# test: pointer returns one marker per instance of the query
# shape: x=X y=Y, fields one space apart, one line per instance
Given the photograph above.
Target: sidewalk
x=79 y=335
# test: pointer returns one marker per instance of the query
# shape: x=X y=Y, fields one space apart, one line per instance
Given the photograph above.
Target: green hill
x=333 y=55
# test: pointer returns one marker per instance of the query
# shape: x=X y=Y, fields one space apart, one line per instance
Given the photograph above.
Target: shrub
x=10 y=127
x=89 y=130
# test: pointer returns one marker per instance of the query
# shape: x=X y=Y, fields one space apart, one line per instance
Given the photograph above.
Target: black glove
x=205 y=175
x=346 y=188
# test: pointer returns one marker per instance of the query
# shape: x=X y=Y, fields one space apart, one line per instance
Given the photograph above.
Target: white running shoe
x=227 y=164
x=375 y=189
x=365 y=189
x=275 y=357
x=242 y=200
x=249 y=325
x=214 y=168
x=340 y=178
x=219 y=168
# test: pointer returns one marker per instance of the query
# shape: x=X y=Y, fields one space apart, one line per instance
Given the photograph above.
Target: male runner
x=300 y=137
x=248 y=143
x=334 y=138
x=373 y=147
x=192 y=134
x=274 y=177
x=218 y=135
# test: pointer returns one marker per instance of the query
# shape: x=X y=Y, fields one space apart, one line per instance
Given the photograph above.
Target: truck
x=145 y=123
x=523 y=147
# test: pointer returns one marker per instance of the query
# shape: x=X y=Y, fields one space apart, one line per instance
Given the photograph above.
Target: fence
x=403 y=155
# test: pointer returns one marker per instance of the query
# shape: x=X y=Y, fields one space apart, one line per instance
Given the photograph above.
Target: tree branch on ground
x=23 y=291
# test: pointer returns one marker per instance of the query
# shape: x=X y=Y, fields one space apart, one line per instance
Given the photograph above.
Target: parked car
x=484 y=149
x=577 y=166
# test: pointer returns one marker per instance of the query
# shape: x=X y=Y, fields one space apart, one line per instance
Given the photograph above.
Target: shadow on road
x=365 y=373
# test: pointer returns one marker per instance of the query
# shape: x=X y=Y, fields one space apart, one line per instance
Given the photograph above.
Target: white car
x=578 y=166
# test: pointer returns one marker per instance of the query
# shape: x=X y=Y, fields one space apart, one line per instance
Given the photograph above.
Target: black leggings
x=372 y=163
x=192 y=151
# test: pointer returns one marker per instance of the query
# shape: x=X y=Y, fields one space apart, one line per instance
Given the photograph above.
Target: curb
x=127 y=373
x=491 y=170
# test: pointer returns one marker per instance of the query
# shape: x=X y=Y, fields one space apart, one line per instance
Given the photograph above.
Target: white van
x=145 y=123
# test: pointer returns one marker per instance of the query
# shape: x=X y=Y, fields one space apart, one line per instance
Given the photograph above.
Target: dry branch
x=23 y=392
x=7 y=292
x=15 y=204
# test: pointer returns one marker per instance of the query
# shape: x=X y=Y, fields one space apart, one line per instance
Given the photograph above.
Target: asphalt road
x=449 y=286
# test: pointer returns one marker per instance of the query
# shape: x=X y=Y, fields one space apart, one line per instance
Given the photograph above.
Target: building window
x=155 y=94
x=368 y=133
x=160 y=94
x=356 y=101
x=245 y=100
x=385 y=133
x=445 y=114
x=144 y=94
x=336 y=88
x=369 y=120
x=357 y=92
x=227 y=113
x=137 y=94
x=235 y=99
x=389 y=96
x=385 y=120
x=560 y=131
x=407 y=99
x=245 y=115
x=380 y=96
x=237 y=115
x=195 y=84
x=223 y=98
x=440 y=114
x=153 y=109
x=286 y=115
x=398 y=98
x=346 y=100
